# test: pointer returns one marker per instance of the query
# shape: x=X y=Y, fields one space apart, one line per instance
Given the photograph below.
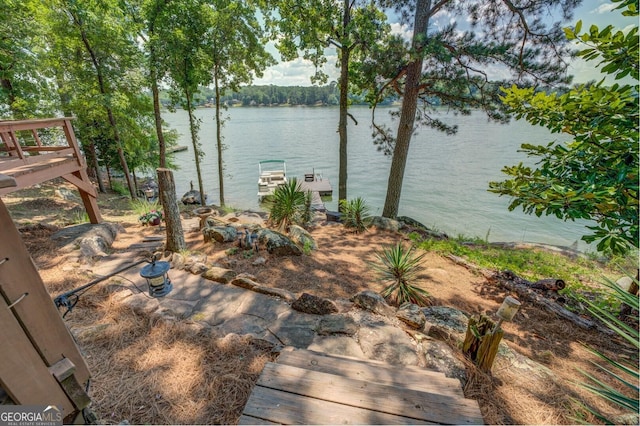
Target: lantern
x=157 y=278
x=507 y=310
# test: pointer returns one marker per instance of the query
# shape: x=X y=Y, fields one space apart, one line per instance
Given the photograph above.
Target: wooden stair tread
x=415 y=404
x=373 y=371
x=282 y=407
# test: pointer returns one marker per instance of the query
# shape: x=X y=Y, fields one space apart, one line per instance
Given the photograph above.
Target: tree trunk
x=408 y=113
x=482 y=341
x=158 y=119
x=342 y=124
x=169 y=201
x=193 y=127
x=219 y=139
x=523 y=288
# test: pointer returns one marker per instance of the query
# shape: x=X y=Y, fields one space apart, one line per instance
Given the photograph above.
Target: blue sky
x=598 y=12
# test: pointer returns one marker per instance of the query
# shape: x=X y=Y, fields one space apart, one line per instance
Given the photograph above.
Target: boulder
x=445 y=323
x=440 y=357
x=219 y=275
x=412 y=315
x=337 y=324
x=91 y=239
x=278 y=244
x=412 y=225
x=244 y=282
x=221 y=234
x=386 y=224
x=198 y=268
x=302 y=237
x=372 y=301
x=177 y=261
x=311 y=304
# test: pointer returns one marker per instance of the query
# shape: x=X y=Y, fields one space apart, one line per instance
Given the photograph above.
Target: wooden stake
x=482 y=341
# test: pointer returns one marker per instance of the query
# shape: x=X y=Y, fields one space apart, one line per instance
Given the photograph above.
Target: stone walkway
x=230 y=309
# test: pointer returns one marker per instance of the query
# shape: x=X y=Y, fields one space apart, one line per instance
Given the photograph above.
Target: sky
x=598 y=12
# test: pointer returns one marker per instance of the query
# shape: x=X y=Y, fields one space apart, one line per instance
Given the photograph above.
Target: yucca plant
x=287 y=205
x=355 y=214
x=625 y=373
x=400 y=267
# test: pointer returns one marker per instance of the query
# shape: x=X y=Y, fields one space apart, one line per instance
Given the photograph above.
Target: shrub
x=287 y=205
x=399 y=267
x=355 y=214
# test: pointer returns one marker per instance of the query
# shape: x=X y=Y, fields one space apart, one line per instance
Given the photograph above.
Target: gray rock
x=244 y=282
x=198 y=268
x=259 y=261
x=386 y=223
x=91 y=239
x=219 y=275
x=177 y=261
x=372 y=301
x=341 y=345
x=412 y=225
x=142 y=303
x=278 y=244
x=221 y=234
x=412 y=315
x=311 y=304
x=445 y=323
x=441 y=357
x=176 y=308
x=276 y=292
x=384 y=342
x=337 y=324
x=302 y=237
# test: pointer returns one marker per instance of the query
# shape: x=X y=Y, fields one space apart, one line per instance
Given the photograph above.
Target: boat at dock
x=271 y=175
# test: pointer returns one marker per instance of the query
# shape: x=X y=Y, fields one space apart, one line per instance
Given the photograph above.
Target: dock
x=307 y=387
x=319 y=187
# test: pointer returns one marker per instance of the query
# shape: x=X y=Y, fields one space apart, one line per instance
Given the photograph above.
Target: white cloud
x=604 y=8
x=296 y=73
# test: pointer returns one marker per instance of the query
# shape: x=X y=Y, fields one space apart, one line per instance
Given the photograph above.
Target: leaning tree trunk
x=196 y=149
x=169 y=201
x=408 y=114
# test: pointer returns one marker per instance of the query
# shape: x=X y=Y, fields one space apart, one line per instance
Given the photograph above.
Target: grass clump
x=399 y=267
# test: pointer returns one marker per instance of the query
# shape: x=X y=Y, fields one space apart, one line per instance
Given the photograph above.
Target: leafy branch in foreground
x=594 y=176
x=400 y=267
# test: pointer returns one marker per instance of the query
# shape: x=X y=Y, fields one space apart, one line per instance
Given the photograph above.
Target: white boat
x=272 y=174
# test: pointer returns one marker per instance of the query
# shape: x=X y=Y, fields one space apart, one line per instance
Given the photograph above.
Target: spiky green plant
x=287 y=205
x=355 y=214
x=400 y=267
x=625 y=373
x=307 y=212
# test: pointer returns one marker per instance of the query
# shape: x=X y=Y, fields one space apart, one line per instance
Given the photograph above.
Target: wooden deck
x=36 y=151
x=319 y=187
x=306 y=387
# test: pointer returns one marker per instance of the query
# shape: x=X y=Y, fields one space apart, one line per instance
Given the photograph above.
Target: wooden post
x=482 y=341
x=169 y=201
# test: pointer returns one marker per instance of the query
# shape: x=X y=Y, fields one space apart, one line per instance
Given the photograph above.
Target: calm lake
x=445 y=183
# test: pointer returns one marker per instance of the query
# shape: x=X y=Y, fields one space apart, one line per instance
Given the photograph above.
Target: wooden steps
x=306 y=387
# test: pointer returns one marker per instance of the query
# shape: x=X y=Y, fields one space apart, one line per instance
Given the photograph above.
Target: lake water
x=446 y=178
